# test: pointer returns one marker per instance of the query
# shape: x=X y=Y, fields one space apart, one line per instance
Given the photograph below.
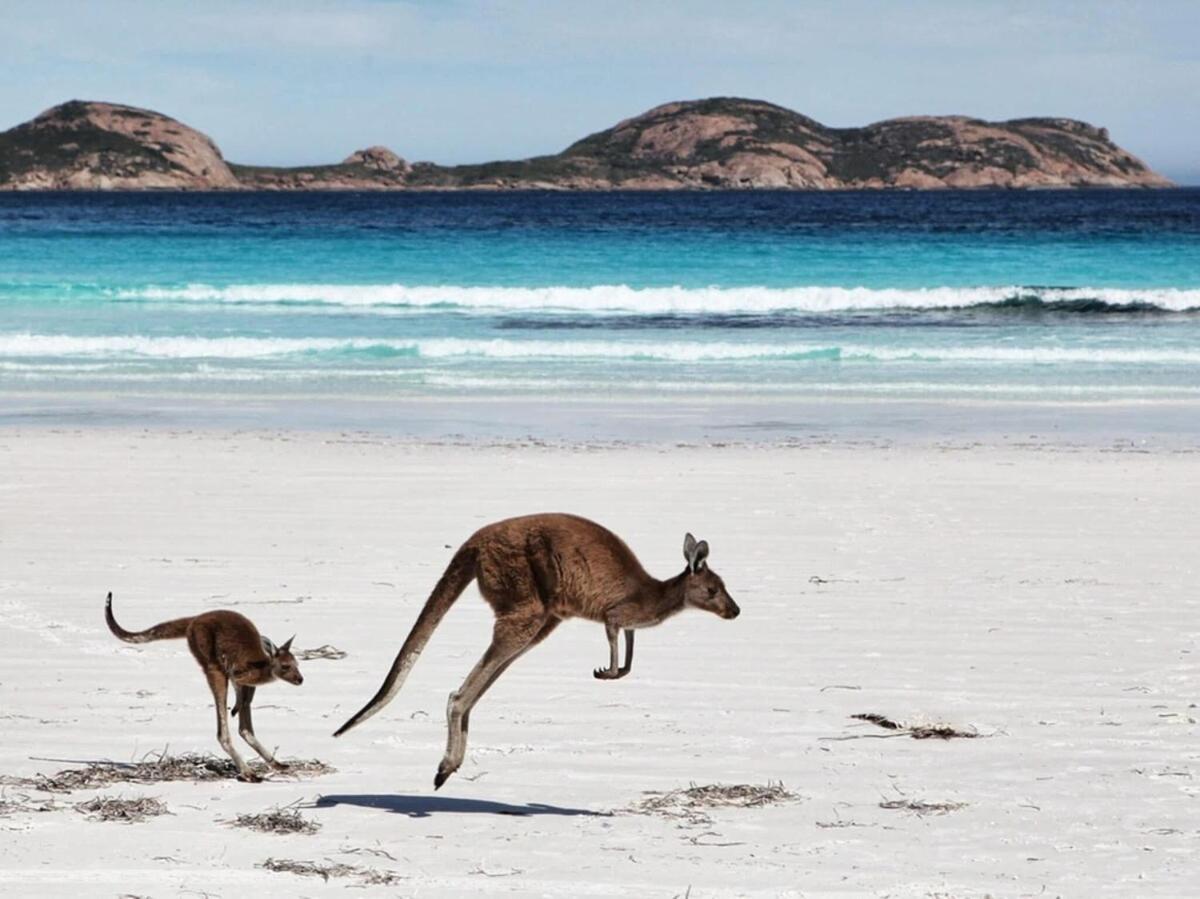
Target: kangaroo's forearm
x=614 y=671
x=252 y=675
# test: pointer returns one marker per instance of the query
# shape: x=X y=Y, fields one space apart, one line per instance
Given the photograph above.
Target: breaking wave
x=661 y=300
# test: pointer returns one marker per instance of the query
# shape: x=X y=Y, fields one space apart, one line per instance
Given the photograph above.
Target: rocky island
x=715 y=144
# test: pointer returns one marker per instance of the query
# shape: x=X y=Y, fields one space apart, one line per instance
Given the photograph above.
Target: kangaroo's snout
x=731 y=611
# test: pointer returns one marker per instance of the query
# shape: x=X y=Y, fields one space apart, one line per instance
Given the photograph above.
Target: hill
x=715 y=144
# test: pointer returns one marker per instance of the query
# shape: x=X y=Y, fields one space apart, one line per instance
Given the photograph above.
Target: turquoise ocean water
x=1065 y=297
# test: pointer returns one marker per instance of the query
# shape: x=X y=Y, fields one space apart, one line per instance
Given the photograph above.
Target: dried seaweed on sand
x=918 y=731
x=321 y=652
x=14 y=803
x=127 y=811
x=277 y=820
x=328 y=869
x=161 y=768
x=690 y=804
x=921 y=807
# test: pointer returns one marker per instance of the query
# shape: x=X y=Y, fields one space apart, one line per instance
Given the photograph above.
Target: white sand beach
x=1044 y=597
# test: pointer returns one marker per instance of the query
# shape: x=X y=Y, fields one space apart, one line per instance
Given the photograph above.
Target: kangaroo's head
x=703 y=587
x=283 y=664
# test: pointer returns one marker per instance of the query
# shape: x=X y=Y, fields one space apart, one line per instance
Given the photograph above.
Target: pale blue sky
x=464 y=80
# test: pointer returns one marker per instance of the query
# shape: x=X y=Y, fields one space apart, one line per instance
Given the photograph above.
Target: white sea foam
x=713 y=388
x=566 y=387
x=656 y=300
x=26 y=345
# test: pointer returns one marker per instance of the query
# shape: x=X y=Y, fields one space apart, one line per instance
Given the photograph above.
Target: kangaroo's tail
x=168 y=630
x=458 y=574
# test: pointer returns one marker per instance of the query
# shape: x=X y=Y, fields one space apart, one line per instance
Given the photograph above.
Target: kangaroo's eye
x=712 y=591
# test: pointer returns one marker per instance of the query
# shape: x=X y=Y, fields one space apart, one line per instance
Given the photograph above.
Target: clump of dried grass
x=162 y=768
x=277 y=820
x=126 y=811
x=921 y=807
x=321 y=652
x=918 y=731
x=690 y=804
x=327 y=869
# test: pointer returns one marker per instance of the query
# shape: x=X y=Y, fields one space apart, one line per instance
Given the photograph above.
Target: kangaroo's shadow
x=424 y=806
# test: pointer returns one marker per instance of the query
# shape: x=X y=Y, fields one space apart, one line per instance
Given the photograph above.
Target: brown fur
x=535 y=572
x=229 y=650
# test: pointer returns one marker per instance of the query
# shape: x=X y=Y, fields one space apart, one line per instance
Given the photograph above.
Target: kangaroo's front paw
x=443 y=775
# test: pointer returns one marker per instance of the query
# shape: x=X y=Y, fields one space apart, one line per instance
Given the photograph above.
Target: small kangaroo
x=535 y=572
x=228 y=648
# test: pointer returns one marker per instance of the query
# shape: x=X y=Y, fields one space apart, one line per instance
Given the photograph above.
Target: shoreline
x=481 y=445
x=634 y=421
x=697 y=189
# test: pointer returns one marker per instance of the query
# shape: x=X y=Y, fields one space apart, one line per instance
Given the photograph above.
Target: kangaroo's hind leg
x=510 y=637
x=219 y=684
x=541 y=635
x=246 y=727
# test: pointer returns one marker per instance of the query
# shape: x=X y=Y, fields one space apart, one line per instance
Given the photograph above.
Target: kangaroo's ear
x=286 y=647
x=689 y=548
x=694 y=552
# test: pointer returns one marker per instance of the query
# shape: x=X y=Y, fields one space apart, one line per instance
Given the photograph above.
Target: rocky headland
x=715 y=144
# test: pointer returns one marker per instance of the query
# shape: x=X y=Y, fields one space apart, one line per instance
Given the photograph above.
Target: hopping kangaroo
x=535 y=572
x=229 y=649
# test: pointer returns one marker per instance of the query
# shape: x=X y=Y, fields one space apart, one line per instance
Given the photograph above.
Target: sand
x=1042 y=597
